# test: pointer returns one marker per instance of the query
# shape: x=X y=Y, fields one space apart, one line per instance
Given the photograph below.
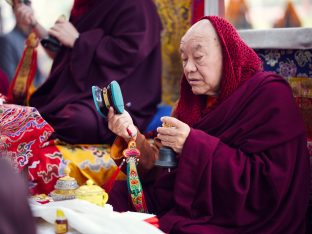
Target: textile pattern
x=295 y=65
x=24 y=143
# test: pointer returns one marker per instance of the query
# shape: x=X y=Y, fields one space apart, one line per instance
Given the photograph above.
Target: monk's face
x=201 y=55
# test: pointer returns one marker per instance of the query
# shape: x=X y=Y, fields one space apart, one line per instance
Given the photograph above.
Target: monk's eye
x=198 y=58
x=184 y=61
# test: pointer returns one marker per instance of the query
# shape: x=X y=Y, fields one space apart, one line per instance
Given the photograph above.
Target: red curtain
x=198 y=10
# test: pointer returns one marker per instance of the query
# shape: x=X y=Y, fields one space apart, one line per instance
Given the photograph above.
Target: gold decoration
x=105 y=96
x=32 y=40
x=20 y=89
x=166 y=125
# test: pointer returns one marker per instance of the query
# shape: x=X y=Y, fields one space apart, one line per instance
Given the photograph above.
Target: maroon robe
x=15 y=213
x=119 y=40
x=4 y=83
x=244 y=167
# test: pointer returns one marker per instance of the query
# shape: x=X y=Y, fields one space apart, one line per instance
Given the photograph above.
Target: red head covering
x=240 y=63
x=80 y=7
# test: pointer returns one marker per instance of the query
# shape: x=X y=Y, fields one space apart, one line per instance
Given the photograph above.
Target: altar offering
x=64 y=188
x=92 y=193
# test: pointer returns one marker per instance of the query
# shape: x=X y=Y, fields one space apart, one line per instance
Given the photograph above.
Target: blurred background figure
x=265 y=14
x=237 y=13
x=15 y=213
x=102 y=41
x=289 y=19
x=12 y=46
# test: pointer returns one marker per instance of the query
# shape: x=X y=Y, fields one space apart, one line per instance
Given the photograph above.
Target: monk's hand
x=24 y=14
x=65 y=32
x=121 y=124
x=173 y=134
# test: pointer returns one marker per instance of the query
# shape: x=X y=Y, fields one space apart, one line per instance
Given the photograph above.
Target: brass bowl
x=92 y=193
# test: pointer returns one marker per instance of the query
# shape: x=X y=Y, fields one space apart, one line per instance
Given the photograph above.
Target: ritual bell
x=166 y=158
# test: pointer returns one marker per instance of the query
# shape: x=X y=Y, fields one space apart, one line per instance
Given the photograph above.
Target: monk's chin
x=197 y=91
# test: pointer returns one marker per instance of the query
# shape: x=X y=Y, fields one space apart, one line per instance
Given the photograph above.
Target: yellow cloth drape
x=89 y=162
x=176 y=17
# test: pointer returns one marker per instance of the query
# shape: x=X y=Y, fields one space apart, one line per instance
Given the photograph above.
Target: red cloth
x=198 y=9
x=24 y=135
x=240 y=63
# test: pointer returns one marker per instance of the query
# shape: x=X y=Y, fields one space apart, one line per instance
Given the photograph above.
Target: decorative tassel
x=133 y=181
x=110 y=183
x=19 y=92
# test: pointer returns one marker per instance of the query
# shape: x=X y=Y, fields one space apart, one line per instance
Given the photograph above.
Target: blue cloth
x=162 y=110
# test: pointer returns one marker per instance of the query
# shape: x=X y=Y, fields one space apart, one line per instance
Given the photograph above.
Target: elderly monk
x=103 y=40
x=243 y=165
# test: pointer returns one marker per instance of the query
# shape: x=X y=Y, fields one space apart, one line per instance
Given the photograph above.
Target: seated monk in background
x=243 y=165
x=104 y=40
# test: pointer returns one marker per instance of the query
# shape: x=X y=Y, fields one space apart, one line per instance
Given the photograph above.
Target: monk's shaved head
x=201 y=29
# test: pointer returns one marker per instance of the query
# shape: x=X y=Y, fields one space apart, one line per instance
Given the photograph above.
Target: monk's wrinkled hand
x=175 y=135
x=118 y=124
x=65 y=32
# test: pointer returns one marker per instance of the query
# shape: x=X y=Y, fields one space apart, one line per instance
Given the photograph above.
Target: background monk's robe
x=119 y=40
x=4 y=83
